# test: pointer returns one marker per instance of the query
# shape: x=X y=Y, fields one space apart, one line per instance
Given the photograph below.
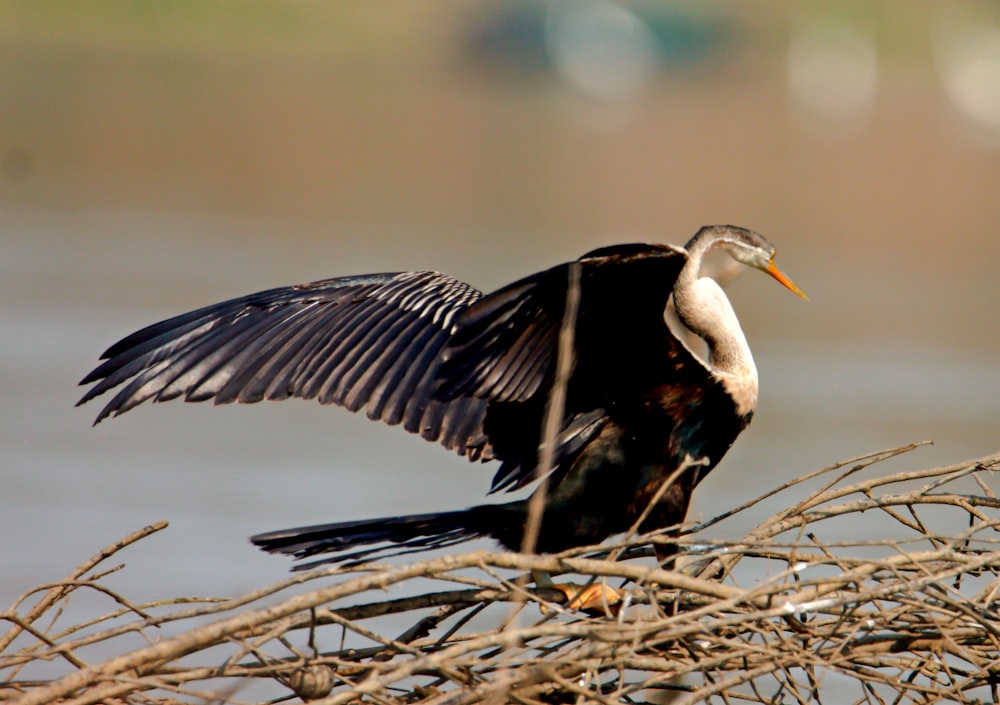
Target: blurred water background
x=156 y=157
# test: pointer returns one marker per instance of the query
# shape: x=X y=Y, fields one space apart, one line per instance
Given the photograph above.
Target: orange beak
x=773 y=270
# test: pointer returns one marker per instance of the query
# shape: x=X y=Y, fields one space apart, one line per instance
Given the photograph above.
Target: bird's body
x=475 y=373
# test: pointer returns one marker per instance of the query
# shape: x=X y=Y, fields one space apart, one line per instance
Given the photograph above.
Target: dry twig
x=792 y=612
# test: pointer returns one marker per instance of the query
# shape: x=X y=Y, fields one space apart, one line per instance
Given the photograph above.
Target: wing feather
x=367 y=342
x=257 y=379
x=426 y=351
x=504 y=350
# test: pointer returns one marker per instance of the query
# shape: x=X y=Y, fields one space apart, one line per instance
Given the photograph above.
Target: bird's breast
x=742 y=388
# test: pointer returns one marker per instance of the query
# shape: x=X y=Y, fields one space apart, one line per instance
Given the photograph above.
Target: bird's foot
x=594 y=598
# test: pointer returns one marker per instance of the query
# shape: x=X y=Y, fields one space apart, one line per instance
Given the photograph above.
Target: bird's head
x=747 y=247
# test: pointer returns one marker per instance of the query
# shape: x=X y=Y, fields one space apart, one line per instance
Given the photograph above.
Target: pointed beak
x=772 y=269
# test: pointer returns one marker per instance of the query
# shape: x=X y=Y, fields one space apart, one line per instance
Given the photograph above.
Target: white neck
x=704 y=308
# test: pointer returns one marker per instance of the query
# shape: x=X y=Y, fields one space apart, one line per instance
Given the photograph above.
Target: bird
x=643 y=418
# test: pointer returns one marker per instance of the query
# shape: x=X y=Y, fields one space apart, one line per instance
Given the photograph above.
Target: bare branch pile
x=876 y=590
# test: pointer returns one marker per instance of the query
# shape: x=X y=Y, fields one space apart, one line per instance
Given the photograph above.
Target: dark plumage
x=473 y=373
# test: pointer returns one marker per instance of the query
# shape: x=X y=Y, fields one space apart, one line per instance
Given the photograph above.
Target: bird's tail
x=354 y=542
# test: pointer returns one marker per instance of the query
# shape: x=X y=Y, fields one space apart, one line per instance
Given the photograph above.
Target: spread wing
x=504 y=349
x=359 y=342
x=426 y=351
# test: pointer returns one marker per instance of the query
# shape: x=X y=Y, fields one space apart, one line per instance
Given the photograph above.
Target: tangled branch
x=797 y=606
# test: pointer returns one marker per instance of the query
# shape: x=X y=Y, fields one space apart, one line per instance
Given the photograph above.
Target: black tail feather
x=385 y=537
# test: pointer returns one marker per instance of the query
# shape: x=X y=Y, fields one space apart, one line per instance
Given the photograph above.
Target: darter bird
x=474 y=373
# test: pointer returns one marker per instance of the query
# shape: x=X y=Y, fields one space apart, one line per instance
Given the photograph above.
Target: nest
x=800 y=609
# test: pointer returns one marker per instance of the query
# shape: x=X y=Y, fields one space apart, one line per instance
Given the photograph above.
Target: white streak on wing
x=430 y=295
x=392 y=292
x=416 y=298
